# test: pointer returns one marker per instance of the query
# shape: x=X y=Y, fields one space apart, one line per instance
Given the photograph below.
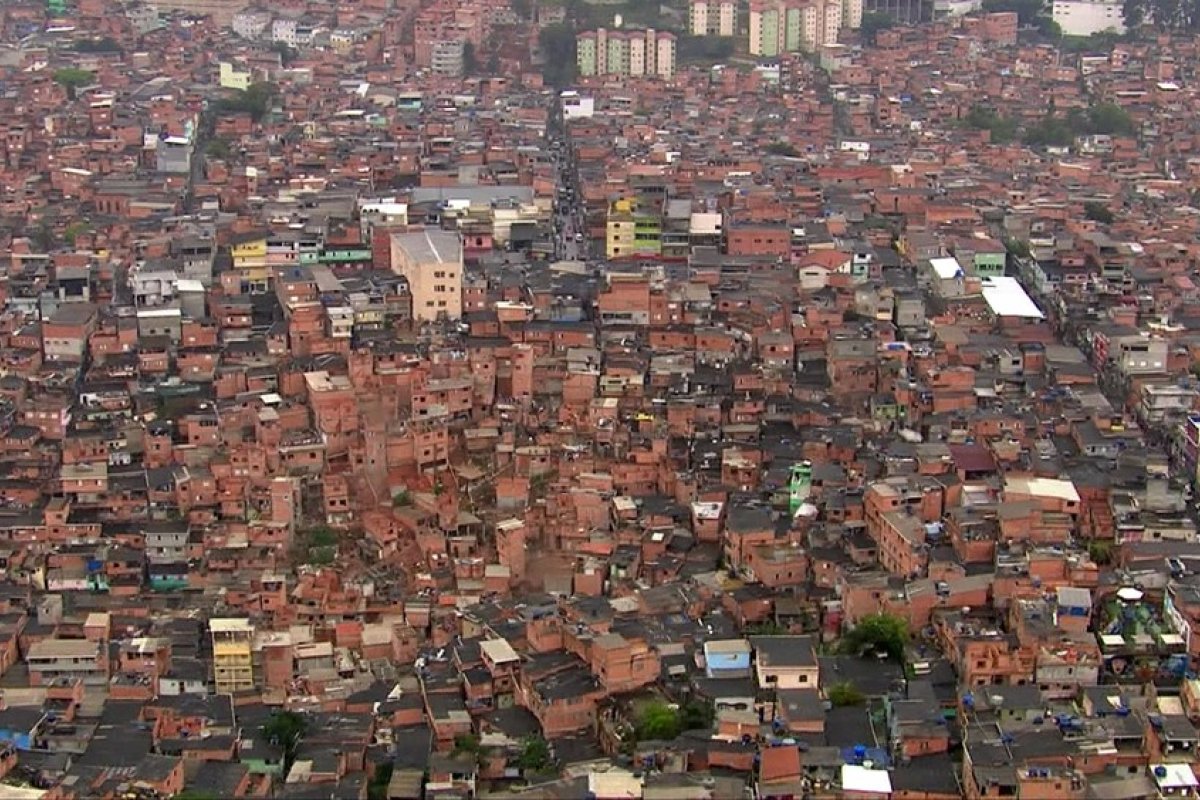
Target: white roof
x=704 y=223
x=229 y=625
x=1174 y=776
x=499 y=651
x=861 y=779
x=946 y=268
x=1007 y=298
x=614 y=785
x=154 y=313
x=1043 y=487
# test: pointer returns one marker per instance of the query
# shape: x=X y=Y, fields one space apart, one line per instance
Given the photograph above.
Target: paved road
x=568 y=215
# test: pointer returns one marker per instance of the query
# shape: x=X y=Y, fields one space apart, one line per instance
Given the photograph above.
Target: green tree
x=535 y=754
x=217 y=148
x=1109 y=119
x=657 y=721
x=196 y=794
x=1050 y=131
x=287 y=53
x=1134 y=13
x=43 y=236
x=377 y=788
x=285 y=729
x=322 y=556
x=73 y=79
x=781 y=149
x=1100 y=551
x=73 y=231
x=696 y=715
x=401 y=499
x=704 y=49
x=322 y=536
x=873 y=22
x=1001 y=129
x=1098 y=212
x=1017 y=247
x=845 y=694
x=557 y=44
x=522 y=8
x=467 y=744
x=255 y=100
x=1028 y=11
x=879 y=633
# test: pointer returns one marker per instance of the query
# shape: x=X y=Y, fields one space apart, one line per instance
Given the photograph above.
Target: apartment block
x=233 y=654
x=787 y=26
x=628 y=53
x=713 y=18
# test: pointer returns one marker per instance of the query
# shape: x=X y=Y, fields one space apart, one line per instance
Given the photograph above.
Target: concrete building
x=1088 y=17
x=446 y=58
x=788 y=26
x=712 y=18
x=632 y=53
x=233 y=655
x=221 y=11
x=251 y=24
x=432 y=263
x=852 y=14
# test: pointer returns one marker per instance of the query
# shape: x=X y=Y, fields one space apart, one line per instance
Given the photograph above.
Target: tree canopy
x=1001 y=129
x=285 y=729
x=873 y=22
x=659 y=721
x=1030 y=14
x=73 y=79
x=254 y=100
x=704 y=49
x=845 y=694
x=535 y=754
x=878 y=633
x=557 y=43
x=1165 y=15
x=1098 y=212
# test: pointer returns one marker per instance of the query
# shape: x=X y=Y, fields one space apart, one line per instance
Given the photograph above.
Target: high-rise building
x=790 y=26
x=632 y=53
x=233 y=655
x=712 y=18
x=852 y=14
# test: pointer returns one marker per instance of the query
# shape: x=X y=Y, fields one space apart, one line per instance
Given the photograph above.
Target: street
x=570 y=233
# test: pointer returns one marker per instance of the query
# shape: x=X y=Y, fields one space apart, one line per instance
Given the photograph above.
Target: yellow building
x=233 y=654
x=249 y=255
x=631 y=232
x=231 y=77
